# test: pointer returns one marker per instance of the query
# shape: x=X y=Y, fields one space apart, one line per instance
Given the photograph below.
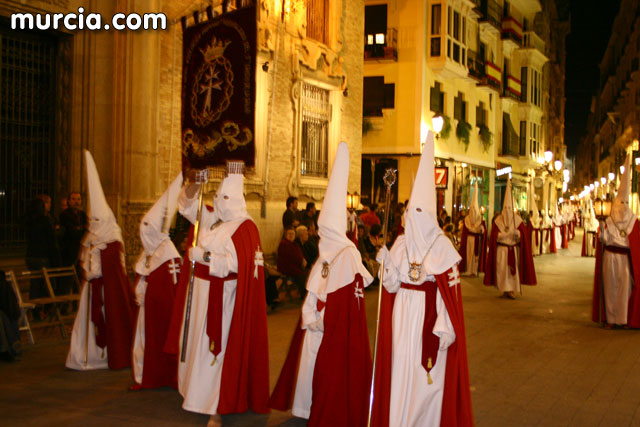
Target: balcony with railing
x=511 y=31
x=491 y=13
x=381 y=46
x=530 y=40
x=493 y=75
x=512 y=88
x=475 y=64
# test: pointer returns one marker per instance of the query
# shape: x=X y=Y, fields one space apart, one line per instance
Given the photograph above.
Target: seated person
x=309 y=247
x=291 y=260
x=369 y=246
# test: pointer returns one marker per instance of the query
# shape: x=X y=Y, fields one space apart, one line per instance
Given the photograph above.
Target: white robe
x=138 y=340
x=616 y=274
x=312 y=339
x=505 y=281
x=198 y=378
x=414 y=402
x=96 y=357
x=535 y=247
x=473 y=260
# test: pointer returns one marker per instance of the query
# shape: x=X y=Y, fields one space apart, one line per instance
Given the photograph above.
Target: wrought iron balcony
x=512 y=88
x=380 y=47
x=491 y=13
x=512 y=30
x=531 y=40
x=493 y=75
x=475 y=64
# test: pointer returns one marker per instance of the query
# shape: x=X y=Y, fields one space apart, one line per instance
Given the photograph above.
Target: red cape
x=342 y=373
x=633 y=313
x=535 y=235
x=463 y=248
x=564 y=232
x=159 y=369
x=525 y=267
x=456 y=400
x=116 y=330
x=245 y=373
x=551 y=233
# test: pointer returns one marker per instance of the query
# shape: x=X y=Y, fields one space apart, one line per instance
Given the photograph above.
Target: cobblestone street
x=538 y=360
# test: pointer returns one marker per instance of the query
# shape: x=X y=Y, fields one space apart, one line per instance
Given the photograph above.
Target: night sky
x=591 y=22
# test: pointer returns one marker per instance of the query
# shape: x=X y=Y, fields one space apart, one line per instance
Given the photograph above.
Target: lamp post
x=353 y=201
x=437 y=122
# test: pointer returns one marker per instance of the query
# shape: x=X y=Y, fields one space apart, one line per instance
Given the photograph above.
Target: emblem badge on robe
x=414 y=271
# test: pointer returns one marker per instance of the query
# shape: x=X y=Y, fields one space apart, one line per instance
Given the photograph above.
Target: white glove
x=197 y=254
x=383 y=255
x=140 y=298
x=446 y=340
x=317 y=326
x=140 y=291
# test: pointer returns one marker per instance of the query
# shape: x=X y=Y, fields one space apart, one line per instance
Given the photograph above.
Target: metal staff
x=513 y=218
x=86 y=329
x=201 y=178
x=601 y=306
x=389 y=180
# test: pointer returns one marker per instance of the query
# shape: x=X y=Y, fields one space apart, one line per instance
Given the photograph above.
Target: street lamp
x=621 y=169
x=612 y=176
x=353 y=201
x=602 y=208
x=437 y=122
x=567 y=175
x=558 y=165
x=603 y=180
x=548 y=156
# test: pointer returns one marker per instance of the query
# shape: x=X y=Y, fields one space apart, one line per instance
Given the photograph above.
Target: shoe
x=510 y=295
x=135 y=387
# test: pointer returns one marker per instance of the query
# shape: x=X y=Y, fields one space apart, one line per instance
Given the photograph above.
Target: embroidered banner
x=218 y=91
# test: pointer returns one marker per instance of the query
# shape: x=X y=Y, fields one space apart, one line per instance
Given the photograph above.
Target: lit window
x=316 y=116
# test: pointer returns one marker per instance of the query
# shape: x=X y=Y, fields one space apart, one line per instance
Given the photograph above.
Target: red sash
x=511 y=257
x=215 y=307
x=430 y=342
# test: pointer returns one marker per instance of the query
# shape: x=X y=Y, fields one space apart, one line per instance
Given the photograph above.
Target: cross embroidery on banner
x=359 y=293
x=454 y=276
x=258 y=261
x=174 y=269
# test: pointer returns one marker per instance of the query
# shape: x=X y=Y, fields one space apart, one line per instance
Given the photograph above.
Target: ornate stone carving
x=132 y=214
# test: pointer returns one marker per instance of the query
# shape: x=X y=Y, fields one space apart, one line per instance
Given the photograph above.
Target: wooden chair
x=58 y=272
x=23 y=321
x=54 y=316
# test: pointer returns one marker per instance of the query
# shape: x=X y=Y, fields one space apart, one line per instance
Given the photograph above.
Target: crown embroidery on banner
x=214 y=50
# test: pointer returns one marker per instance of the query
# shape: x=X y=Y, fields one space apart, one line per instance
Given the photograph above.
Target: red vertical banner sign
x=218 y=91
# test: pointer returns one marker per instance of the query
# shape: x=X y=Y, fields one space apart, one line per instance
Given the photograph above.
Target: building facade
x=494 y=70
x=118 y=94
x=613 y=127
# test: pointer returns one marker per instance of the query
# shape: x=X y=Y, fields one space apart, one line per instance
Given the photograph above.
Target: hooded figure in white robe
x=228 y=309
x=591 y=224
x=103 y=329
x=326 y=371
x=425 y=321
x=618 y=256
x=473 y=240
x=157 y=268
x=536 y=232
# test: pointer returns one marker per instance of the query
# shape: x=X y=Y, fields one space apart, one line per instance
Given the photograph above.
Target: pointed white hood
x=621 y=214
x=422 y=231
x=229 y=203
x=473 y=221
x=535 y=218
x=591 y=223
x=103 y=227
x=154 y=230
x=508 y=221
x=332 y=229
x=558 y=217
